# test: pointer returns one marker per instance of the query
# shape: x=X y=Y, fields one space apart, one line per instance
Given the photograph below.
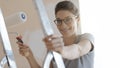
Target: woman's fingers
x=48 y=38
x=24 y=51
x=53 y=42
x=19 y=43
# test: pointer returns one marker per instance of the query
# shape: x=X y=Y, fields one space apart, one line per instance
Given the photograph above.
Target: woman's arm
x=32 y=62
x=84 y=46
x=76 y=50
x=73 y=51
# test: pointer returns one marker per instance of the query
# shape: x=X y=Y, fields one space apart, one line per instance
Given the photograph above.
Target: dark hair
x=67 y=5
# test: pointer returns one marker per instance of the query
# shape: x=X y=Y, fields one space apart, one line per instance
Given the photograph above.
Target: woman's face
x=66 y=23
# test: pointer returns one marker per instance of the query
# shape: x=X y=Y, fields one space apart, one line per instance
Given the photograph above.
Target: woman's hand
x=24 y=49
x=54 y=43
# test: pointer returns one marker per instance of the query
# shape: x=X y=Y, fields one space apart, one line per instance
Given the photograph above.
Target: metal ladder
x=9 y=56
x=47 y=30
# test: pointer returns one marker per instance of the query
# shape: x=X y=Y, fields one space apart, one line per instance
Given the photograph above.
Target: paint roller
x=15 y=19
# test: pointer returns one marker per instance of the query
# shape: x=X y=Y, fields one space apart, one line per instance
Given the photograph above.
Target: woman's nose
x=63 y=24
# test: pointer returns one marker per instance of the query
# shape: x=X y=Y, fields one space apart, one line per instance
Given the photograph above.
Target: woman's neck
x=69 y=40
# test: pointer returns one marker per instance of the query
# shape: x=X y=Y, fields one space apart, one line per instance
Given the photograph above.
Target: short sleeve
x=89 y=37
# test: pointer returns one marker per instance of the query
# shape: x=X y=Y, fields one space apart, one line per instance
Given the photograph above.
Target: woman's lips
x=64 y=30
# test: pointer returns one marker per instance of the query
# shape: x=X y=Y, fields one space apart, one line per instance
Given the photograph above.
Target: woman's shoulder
x=85 y=35
x=88 y=36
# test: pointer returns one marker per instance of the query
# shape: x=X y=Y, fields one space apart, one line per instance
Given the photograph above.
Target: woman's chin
x=66 y=34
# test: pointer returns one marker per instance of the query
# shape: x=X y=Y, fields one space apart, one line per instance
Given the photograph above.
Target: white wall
x=102 y=18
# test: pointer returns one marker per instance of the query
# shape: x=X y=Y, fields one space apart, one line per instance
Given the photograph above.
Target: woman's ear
x=78 y=19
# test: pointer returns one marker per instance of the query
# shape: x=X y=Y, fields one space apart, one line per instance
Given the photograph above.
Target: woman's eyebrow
x=57 y=19
x=65 y=17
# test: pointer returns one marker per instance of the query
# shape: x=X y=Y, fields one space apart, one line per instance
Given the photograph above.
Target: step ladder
x=9 y=56
x=47 y=30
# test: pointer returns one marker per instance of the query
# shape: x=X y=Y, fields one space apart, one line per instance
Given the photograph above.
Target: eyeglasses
x=67 y=21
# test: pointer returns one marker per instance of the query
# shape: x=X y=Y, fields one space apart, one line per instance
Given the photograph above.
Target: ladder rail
x=6 y=43
x=47 y=30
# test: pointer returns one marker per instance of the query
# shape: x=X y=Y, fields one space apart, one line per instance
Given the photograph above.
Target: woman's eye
x=59 y=21
x=68 y=20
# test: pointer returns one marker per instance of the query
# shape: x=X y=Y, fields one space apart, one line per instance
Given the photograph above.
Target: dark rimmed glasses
x=67 y=20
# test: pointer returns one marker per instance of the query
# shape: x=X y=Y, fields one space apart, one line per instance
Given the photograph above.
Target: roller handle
x=19 y=39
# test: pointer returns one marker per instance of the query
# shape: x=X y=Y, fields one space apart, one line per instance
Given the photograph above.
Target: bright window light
x=102 y=18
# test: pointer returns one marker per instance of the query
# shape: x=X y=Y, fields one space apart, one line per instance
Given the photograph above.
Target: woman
x=76 y=50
